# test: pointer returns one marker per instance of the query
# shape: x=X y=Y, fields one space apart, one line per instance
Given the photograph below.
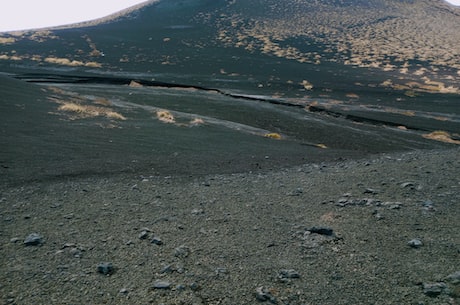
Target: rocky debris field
x=377 y=231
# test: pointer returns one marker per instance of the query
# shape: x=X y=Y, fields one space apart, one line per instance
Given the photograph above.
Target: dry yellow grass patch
x=7 y=40
x=166 y=117
x=93 y=64
x=352 y=95
x=115 y=115
x=196 y=121
x=90 y=111
x=273 y=135
x=442 y=136
x=307 y=85
x=72 y=63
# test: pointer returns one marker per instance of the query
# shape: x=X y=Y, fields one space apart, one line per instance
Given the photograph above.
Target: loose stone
x=157 y=241
x=322 y=231
x=182 y=251
x=415 y=243
x=428 y=205
x=263 y=295
x=144 y=235
x=162 y=285
x=434 y=289
x=195 y=286
x=288 y=274
x=33 y=239
x=105 y=268
x=370 y=191
x=167 y=269
x=454 y=278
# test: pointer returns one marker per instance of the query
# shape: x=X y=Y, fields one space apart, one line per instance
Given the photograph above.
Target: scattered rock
x=197 y=212
x=263 y=295
x=124 y=291
x=378 y=215
x=180 y=287
x=296 y=192
x=33 y=239
x=345 y=201
x=415 y=243
x=288 y=274
x=195 y=286
x=157 y=241
x=15 y=240
x=411 y=186
x=105 y=268
x=322 y=231
x=144 y=234
x=428 y=205
x=434 y=289
x=370 y=191
x=162 y=285
x=408 y=185
x=167 y=269
x=182 y=251
x=454 y=278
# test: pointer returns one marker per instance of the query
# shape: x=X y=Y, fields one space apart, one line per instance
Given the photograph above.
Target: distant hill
x=212 y=41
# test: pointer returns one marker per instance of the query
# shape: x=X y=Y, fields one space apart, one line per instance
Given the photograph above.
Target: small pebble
x=167 y=269
x=195 y=286
x=182 y=251
x=263 y=295
x=288 y=274
x=322 y=231
x=370 y=191
x=162 y=285
x=105 y=268
x=454 y=278
x=144 y=235
x=180 y=287
x=197 y=211
x=157 y=241
x=415 y=243
x=434 y=289
x=33 y=239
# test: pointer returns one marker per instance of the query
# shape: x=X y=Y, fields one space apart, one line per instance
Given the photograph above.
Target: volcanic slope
x=277 y=44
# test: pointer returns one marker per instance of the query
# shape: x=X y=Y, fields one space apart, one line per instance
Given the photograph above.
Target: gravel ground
x=378 y=231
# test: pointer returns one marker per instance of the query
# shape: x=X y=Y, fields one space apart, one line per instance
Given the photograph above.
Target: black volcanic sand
x=44 y=140
x=228 y=208
x=221 y=238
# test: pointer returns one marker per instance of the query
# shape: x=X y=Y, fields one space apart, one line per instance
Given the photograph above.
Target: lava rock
x=143 y=235
x=33 y=239
x=157 y=241
x=454 y=278
x=167 y=269
x=415 y=243
x=263 y=295
x=105 y=268
x=322 y=230
x=182 y=251
x=434 y=289
x=162 y=285
x=288 y=274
